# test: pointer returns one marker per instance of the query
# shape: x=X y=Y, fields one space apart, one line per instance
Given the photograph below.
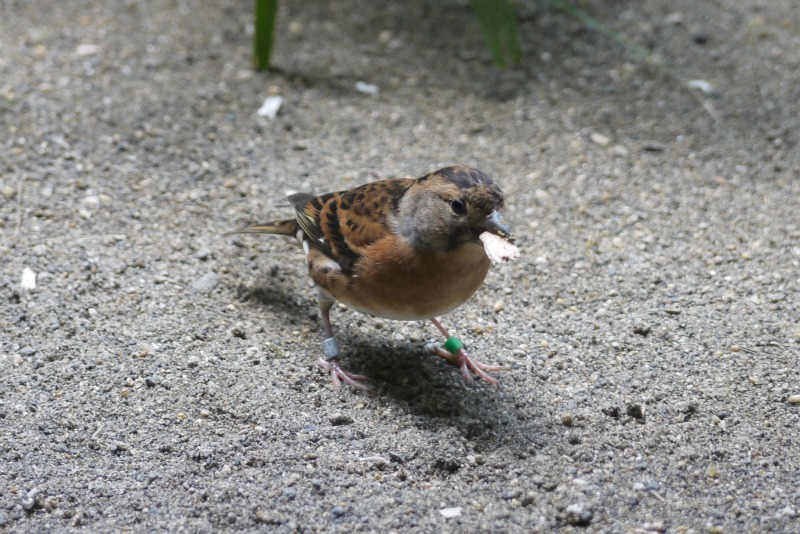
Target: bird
x=402 y=249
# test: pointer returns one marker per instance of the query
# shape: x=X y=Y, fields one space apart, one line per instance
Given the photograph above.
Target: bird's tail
x=281 y=227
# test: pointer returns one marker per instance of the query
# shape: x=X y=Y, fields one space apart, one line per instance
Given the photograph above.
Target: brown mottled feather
x=343 y=223
x=366 y=219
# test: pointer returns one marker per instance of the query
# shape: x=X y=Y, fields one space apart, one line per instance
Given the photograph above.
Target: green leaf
x=266 y=13
x=499 y=25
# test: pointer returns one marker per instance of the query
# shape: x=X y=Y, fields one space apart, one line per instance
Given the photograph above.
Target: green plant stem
x=499 y=25
x=264 y=34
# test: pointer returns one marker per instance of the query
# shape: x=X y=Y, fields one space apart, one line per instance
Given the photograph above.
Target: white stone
x=270 y=107
x=367 y=88
x=449 y=513
x=28 y=279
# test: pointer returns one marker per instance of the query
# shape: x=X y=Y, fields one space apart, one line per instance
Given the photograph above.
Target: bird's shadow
x=277 y=297
x=435 y=391
x=408 y=375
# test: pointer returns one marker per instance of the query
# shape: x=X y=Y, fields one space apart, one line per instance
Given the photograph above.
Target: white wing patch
x=301 y=238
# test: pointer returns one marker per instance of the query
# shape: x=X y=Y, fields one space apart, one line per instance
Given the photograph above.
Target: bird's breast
x=395 y=282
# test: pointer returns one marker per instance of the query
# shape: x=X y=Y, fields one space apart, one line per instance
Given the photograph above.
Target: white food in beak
x=498 y=249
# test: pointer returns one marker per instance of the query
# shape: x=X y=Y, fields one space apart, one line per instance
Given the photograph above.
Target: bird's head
x=450 y=207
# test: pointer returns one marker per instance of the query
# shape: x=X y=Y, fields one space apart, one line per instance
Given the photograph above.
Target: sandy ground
x=161 y=376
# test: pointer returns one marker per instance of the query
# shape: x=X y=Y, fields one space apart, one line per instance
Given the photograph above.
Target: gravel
x=157 y=375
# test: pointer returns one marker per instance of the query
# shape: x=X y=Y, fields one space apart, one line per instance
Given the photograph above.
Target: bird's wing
x=342 y=224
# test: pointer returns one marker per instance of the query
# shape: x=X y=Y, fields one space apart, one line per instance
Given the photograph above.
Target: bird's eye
x=458 y=207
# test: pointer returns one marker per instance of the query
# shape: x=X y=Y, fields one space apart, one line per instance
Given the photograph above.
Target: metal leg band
x=330 y=348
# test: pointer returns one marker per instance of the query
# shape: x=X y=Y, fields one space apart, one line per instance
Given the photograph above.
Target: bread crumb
x=498 y=249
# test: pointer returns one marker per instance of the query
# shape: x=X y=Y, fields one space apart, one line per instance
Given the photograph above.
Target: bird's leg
x=331 y=349
x=454 y=353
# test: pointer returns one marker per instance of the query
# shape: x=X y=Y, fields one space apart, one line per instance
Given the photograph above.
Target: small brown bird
x=401 y=249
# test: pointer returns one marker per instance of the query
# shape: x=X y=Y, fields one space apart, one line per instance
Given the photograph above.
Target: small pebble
x=338 y=511
x=449 y=513
x=499 y=306
x=655 y=526
x=117 y=447
x=575 y=515
x=600 y=139
x=29 y=501
x=86 y=49
x=340 y=419
x=264 y=517
x=367 y=88
x=620 y=150
x=206 y=283
x=790 y=512
x=384 y=37
x=793 y=399
x=702 y=85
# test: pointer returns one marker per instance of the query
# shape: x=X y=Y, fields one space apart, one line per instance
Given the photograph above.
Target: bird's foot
x=461 y=359
x=339 y=375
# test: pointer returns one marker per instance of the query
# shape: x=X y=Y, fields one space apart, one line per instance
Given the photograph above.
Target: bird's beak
x=494 y=224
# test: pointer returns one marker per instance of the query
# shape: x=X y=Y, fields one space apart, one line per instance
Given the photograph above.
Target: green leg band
x=453 y=344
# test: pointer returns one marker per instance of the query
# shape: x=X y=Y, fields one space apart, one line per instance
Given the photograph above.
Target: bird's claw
x=466 y=364
x=339 y=375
